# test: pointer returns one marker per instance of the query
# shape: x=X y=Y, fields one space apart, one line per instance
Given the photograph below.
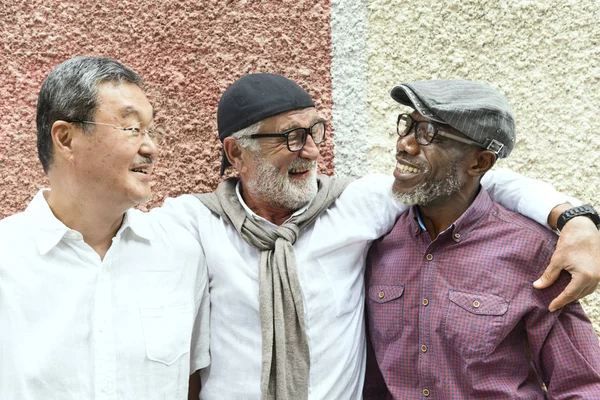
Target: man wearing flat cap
x=451 y=306
x=285 y=249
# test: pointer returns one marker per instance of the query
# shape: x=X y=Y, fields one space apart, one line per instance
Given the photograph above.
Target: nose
x=409 y=144
x=148 y=147
x=310 y=151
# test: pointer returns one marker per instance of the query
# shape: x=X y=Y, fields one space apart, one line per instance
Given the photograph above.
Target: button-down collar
x=463 y=225
x=481 y=206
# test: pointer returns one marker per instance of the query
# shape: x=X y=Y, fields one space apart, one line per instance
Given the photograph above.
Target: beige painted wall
x=543 y=55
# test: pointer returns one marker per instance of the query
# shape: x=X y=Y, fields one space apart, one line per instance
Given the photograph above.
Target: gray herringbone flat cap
x=477 y=110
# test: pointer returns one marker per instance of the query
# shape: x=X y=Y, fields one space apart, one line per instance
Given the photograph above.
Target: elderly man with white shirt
x=285 y=249
x=97 y=301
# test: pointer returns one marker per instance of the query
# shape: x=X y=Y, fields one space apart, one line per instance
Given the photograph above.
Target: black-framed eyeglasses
x=425 y=131
x=156 y=134
x=295 y=138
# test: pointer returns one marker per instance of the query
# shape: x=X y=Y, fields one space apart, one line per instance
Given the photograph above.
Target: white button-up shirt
x=330 y=257
x=72 y=326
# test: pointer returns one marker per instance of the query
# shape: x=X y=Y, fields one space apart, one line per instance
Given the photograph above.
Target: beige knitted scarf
x=285 y=354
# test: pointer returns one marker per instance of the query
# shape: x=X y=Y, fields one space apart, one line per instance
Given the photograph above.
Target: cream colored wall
x=543 y=55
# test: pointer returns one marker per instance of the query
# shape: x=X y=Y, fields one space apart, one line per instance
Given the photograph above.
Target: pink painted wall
x=187 y=51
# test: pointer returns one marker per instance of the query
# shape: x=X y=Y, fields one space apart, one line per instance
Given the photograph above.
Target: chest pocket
x=385 y=309
x=475 y=322
x=167 y=331
x=346 y=282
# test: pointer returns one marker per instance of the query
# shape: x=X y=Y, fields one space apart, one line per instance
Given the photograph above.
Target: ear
x=235 y=153
x=62 y=137
x=481 y=162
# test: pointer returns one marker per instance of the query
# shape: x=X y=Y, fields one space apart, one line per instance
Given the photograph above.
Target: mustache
x=302 y=163
x=145 y=160
x=401 y=154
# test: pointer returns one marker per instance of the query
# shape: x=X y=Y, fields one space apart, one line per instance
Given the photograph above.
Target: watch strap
x=585 y=210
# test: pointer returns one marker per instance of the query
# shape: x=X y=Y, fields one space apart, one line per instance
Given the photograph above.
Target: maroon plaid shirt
x=458 y=318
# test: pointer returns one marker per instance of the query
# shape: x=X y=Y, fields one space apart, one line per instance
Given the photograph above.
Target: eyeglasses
x=425 y=131
x=155 y=134
x=296 y=138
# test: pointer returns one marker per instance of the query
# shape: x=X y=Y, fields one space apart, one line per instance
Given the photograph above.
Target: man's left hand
x=578 y=252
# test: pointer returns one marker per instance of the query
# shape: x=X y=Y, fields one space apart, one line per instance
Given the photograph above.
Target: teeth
x=143 y=171
x=406 y=168
x=297 y=170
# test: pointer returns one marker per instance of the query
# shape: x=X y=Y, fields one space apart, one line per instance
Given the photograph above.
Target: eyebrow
x=129 y=110
x=295 y=126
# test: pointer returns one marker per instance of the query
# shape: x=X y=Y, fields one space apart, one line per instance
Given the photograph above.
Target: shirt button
x=429 y=257
x=457 y=235
x=416 y=230
x=424 y=348
x=425 y=302
x=381 y=295
x=105 y=389
x=426 y=392
x=476 y=304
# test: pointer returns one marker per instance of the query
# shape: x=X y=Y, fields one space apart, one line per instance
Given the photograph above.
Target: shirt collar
x=139 y=224
x=480 y=207
x=48 y=230
x=257 y=217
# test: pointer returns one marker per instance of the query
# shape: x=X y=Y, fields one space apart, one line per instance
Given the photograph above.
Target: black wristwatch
x=585 y=210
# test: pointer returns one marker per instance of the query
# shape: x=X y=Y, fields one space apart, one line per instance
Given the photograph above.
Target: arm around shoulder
x=532 y=198
x=578 y=249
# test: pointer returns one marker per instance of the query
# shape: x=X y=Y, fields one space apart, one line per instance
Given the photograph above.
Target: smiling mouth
x=140 y=170
x=407 y=169
x=298 y=171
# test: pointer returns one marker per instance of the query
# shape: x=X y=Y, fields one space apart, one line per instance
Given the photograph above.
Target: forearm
x=533 y=198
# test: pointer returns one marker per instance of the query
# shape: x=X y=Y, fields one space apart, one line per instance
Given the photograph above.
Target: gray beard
x=432 y=189
x=279 y=191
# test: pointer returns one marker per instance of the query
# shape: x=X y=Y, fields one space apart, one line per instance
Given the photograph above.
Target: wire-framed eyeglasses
x=425 y=131
x=295 y=138
x=156 y=134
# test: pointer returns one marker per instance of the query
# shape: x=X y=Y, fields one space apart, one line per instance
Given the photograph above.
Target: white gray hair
x=243 y=137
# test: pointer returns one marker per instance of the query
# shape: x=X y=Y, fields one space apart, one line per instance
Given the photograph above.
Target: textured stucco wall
x=544 y=55
x=188 y=52
x=349 y=60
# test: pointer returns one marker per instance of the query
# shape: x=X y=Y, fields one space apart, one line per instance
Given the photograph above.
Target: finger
x=582 y=285
x=550 y=274
x=567 y=296
x=588 y=292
